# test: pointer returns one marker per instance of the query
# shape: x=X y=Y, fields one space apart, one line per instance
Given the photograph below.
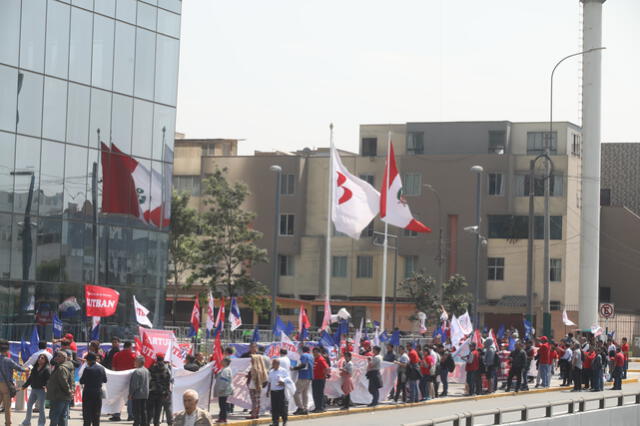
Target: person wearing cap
x=544 y=356
x=72 y=343
x=60 y=388
x=160 y=392
x=92 y=379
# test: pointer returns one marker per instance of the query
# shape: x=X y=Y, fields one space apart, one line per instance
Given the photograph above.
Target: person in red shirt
x=618 y=362
x=625 y=351
x=320 y=372
x=426 y=381
x=413 y=369
x=124 y=360
x=544 y=356
x=72 y=345
x=473 y=369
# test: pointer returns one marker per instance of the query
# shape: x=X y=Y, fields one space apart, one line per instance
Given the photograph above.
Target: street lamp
x=546 y=324
x=476 y=314
x=440 y=257
x=276 y=232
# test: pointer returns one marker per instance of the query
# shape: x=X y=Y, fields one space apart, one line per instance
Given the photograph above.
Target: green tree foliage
x=227 y=248
x=456 y=296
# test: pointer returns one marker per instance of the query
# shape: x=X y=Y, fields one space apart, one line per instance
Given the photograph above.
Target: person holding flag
x=234 y=314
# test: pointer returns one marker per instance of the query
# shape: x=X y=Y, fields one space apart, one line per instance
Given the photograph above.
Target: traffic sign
x=607 y=310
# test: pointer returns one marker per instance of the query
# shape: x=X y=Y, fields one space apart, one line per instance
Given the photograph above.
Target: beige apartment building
x=434 y=160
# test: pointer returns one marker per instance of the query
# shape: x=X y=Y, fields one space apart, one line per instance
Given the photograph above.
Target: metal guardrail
x=573 y=406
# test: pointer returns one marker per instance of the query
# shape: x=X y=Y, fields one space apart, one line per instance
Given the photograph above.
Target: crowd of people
x=423 y=372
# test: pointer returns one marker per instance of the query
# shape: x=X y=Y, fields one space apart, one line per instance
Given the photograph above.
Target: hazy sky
x=277 y=72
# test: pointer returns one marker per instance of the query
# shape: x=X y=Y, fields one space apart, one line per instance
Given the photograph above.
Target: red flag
x=326 y=320
x=118 y=188
x=100 y=301
x=195 y=315
x=477 y=339
x=137 y=346
x=148 y=351
x=303 y=320
x=217 y=355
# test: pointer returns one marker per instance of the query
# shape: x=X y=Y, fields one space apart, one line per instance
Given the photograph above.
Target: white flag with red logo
x=355 y=202
x=303 y=320
x=141 y=314
x=326 y=319
x=210 y=309
x=195 y=315
x=394 y=209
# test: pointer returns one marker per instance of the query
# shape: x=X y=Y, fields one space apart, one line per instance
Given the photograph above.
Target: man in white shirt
x=277 y=378
x=42 y=349
x=285 y=362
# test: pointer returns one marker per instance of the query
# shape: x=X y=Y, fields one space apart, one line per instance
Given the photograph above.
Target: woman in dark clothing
x=37 y=380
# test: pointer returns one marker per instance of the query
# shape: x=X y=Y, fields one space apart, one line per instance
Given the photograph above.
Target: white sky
x=277 y=72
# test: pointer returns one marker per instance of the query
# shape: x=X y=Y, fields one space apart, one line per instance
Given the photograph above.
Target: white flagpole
x=385 y=244
x=327 y=250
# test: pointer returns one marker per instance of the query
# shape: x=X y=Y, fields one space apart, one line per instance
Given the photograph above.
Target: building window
x=209 y=149
x=495 y=184
x=286 y=224
x=370 y=179
x=576 y=145
x=604 y=294
x=287 y=184
x=369 y=147
x=226 y=149
x=339 y=266
x=188 y=184
x=556 y=186
x=497 y=141
x=410 y=265
x=410 y=233
x=517 y=227
x=555 y=270
x=536 y=140
x=365 y=267
x=605 y=197
x=415 y=143
x=495 y=267
x=412 y=184
x=285 y=265
x=368 y=231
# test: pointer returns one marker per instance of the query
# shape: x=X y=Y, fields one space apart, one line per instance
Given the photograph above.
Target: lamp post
x=440 y=257
x=476 y=313
x=276 y=232
x=546 y=324
x=27 y=242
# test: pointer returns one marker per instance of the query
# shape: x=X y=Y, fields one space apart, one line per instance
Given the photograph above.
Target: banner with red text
x=101 y=301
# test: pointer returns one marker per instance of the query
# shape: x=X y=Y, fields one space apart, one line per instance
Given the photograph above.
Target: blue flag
x=289 y=328
x=326 y=340
x=25 y=353
x=500 y=334
x=395 y=338
x=256 y=335
x=304 y=334
x=527 y=328
x=35 y=340
x=95 y=332
x=343 y=328
x=512 y=343
x=57 y=327
x=384 y=337
x=278 y=327
x=192 y=332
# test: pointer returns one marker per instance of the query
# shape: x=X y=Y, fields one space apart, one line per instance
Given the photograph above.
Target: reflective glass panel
x=80 y=46
x=145 y=63
x=102 y=66
x=167 y=70
x=161 y=194
x=100 y=117
x=168 y=23
x=126 y=10
x=143 y=188
x=7 y=146
x=49 y=240
x=142 y=123
x=75 y=181
x=121 y=122
x=138 y=255
x=29 y=103
x=173 y=5
x=125 y=45
x=164 y=126
x=147 y=16
x=10 y=31
x=23 y=256
x=32 y=35
x=106 y=7
x=8 y=97
x=27 y=164
x=54 y=117
x=94 y=157
x=5 y=246
x=51 y=178
x=57 y=54
x=87 y=4
x=78 y=114
x=73 y=244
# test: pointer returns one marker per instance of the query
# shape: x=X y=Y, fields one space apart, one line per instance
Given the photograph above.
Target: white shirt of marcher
x=190 y=419
x=277 y=376
x=285 y=363
x=33 y=358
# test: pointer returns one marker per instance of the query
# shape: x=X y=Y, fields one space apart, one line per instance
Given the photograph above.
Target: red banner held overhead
x=148 y=351
x=101 y=301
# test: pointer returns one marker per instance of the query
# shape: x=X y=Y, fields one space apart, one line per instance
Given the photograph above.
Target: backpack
x=449 y=364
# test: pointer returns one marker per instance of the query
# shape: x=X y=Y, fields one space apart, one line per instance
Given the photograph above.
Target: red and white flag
x=303 y=320
x=195 y=315
x=210 y=309
x=220 y=318
x=394 y=209
x=141 y=313
x=355 y=202
x=217 y=355
x=100 y=301
x=148 y=351
x=326 y=319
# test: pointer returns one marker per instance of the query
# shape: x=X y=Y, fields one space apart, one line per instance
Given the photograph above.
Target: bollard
x=20 y=395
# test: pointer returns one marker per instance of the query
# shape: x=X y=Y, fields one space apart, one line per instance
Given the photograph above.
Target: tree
x=182 y=242
x=227 y=248
x=456 y=296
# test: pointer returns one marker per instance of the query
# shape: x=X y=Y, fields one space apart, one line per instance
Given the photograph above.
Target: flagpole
x=327 y=255
x=385 y=243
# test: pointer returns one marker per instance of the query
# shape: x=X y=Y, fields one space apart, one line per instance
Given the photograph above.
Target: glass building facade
x=75 y=74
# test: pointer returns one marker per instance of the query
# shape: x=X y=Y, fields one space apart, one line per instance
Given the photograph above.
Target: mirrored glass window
x=138 y=253
x=161 y=194
x=164 y=127
x=49 y=240
x=75 y=181
x=8 y=98
x=23 y=256
x=143 y=188
x=168 y=23
x=32 y=35
x=86 y=4
x=172 y=5
x=94 y=157
x=145 y=63
x=51 y=178
x=7 y=145
x=124 y=57
x=10 y=32
x=57 y=47
x=78 y=114
x=77 y=252
x=80 y=46
x=147 y=16
x=27 y=164
x=5 y=246
x=142 y=124
x=102 y=66
x=106 y=7
x=167 y=70
x=29 y=103
x=100 y=117
x=54 y=117
x=126 y=10
x=122 y=113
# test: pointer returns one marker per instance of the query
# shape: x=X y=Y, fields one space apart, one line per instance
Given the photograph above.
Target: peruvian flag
x=148 y=351
x=355 y=202
x=394 y=209
x=128 y=187
x=303 y=320
x=326 y=319
x=195 y=315
x=219 y=326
